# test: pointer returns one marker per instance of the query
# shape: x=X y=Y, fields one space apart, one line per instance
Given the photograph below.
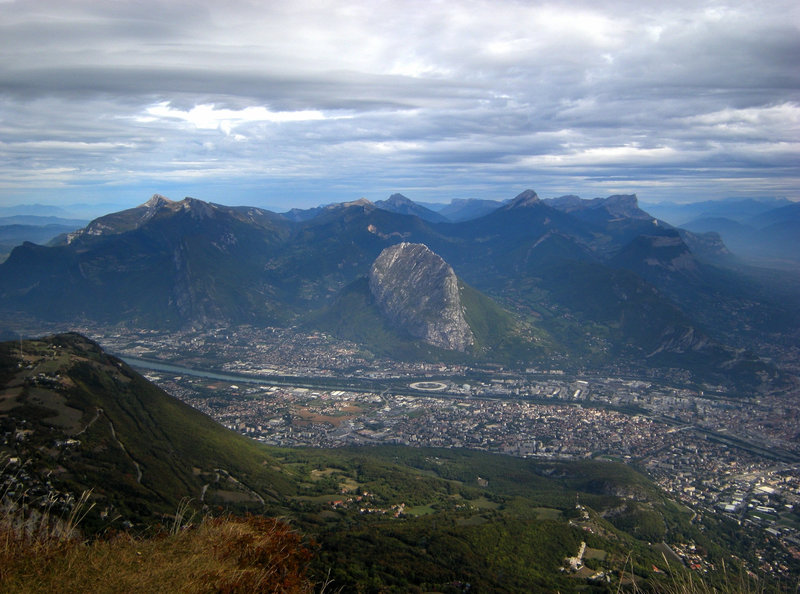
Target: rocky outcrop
x=134 y=218
x=525 y=199
x=418 y=292
x=624 y=206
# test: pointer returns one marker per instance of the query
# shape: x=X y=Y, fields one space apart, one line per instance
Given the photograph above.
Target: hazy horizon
x=88 y=210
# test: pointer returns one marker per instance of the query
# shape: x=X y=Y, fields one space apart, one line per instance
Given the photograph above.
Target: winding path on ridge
x=122 y=447
x=99 y=411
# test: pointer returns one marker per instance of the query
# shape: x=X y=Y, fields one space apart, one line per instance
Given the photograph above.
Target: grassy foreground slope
x=227 y=554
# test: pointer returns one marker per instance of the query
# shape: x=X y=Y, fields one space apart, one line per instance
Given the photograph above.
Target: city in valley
x=718 y=452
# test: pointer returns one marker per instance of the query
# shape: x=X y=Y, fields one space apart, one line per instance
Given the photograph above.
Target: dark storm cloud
x=334 y=99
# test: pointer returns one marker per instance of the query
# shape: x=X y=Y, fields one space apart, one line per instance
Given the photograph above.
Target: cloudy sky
x=285 y=104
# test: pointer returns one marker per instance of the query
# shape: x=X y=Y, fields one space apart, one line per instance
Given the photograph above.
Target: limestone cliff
x=418 y=292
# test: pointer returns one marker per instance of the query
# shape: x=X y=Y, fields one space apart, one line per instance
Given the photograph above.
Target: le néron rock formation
x=418 y=292
x=586 y=282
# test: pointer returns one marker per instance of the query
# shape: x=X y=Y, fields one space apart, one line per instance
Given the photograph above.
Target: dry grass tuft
x=229 y=554
x=257 y=554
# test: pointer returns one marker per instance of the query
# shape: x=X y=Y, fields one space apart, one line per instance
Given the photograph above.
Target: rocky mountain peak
x=198 y=209
x=526 y=198
x=418 y=292
x=134 y=218
x=398 y=199
x=362 y=204
x=359 y=202
x=399 y=204
x=625 y=205
x=157 y=201
x=155 y=205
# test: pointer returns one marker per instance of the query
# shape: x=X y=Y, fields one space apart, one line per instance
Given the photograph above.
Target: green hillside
x=138 y=450
x=398 y=519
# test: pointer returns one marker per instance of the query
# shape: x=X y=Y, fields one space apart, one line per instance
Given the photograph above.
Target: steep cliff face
x=418 y=292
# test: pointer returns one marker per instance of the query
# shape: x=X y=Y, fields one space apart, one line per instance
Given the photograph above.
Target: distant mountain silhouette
x=402 y=205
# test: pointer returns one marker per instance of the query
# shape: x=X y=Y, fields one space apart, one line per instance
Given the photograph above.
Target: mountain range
x=17 y=229
x=585 y=283
x=766 y=232
x=771 y=237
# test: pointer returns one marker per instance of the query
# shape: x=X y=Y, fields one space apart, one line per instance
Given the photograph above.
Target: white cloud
x=608 y=156
x=209 y=117
x=784 y=118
